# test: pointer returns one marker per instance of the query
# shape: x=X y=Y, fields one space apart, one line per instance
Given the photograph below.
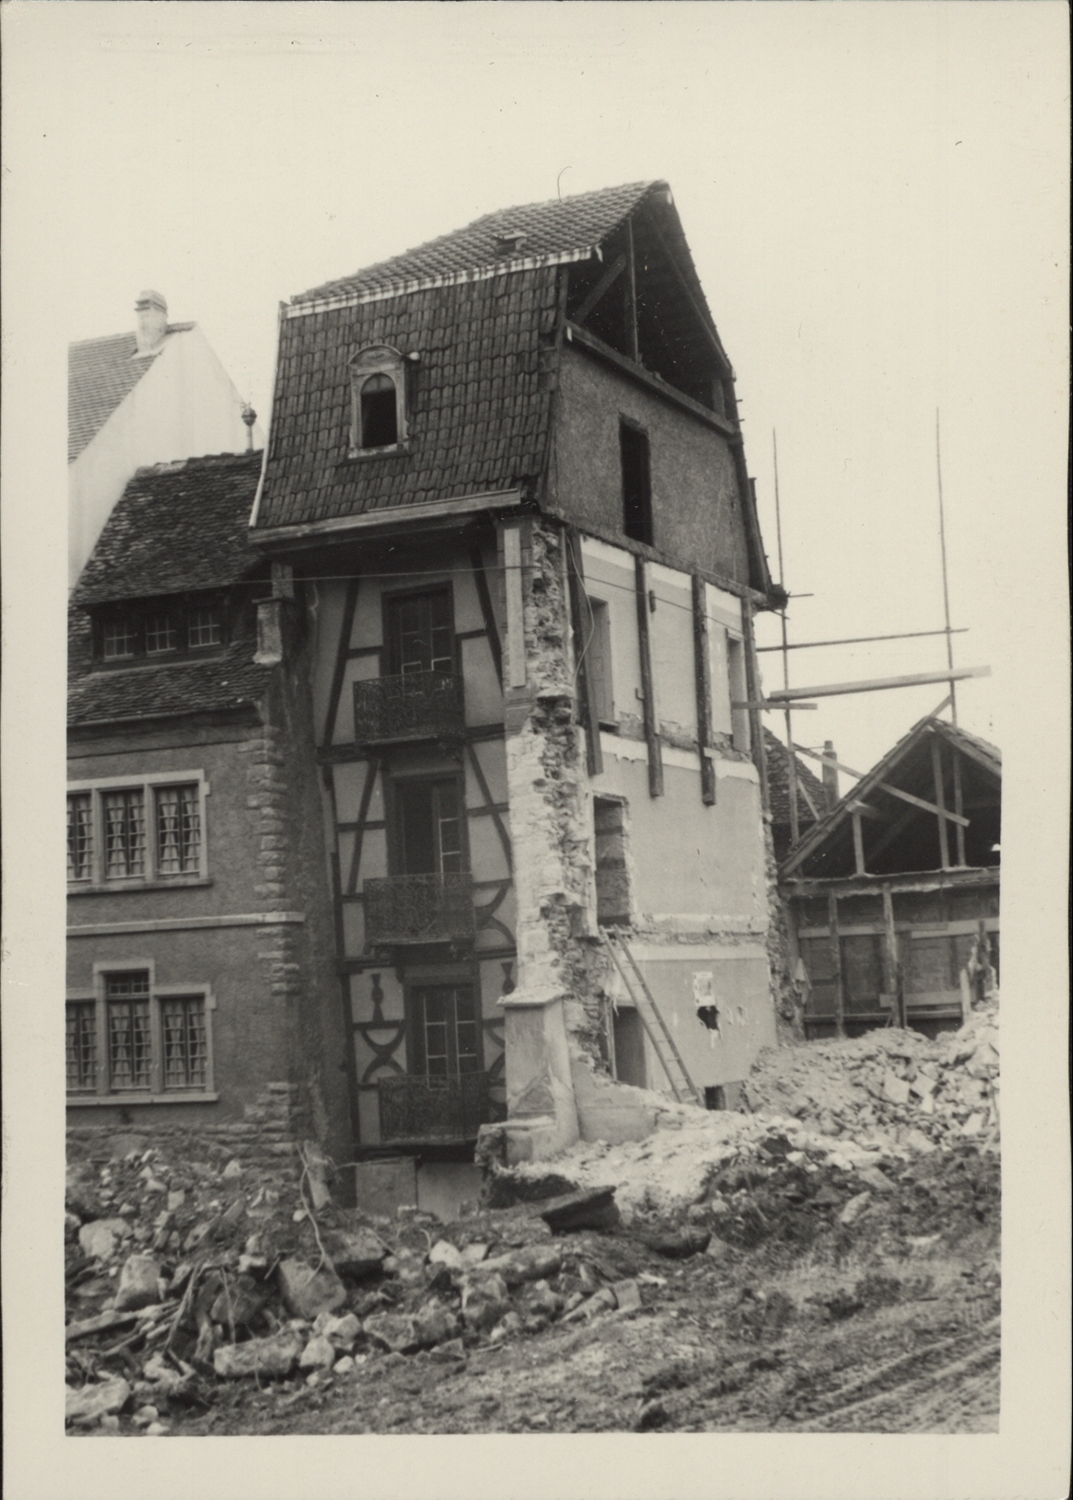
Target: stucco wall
x=183 y=407
x=695 y=505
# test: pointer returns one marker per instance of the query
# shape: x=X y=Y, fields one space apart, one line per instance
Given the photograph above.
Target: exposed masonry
x=550 y=809
x=789 y=1009
x=265 y=1141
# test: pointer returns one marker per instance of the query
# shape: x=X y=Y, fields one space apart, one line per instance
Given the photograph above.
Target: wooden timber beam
x=701 y=316
x=631 y=296
x=858 y=843
x=874 y=684
x=605 y=283
x=863 y=810
x=940 y=801
x=648 y=687
x=868 y=885
x=702 y=666
x=886 y=786
x=836 y=954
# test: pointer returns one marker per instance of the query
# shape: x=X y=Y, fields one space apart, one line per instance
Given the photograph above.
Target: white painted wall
x=185 y=406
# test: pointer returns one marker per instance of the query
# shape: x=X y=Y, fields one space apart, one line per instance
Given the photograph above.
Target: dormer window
x=378 y=401
x=158 y=631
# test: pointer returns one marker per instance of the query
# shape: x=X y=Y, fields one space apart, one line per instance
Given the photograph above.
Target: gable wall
x=695 y=504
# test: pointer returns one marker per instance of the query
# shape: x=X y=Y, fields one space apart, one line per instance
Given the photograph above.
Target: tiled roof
x=779 y=784
x=479 y=399
x=550 y=232
x=101 y=373
x=176 y=527
x=955 y=733
x=231 y=680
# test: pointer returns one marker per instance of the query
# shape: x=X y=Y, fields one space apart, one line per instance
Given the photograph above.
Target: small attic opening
x=636 y=483
x=379 y=412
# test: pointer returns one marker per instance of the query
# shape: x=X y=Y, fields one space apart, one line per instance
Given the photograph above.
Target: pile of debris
x=179 y=1281
x=893 y=1088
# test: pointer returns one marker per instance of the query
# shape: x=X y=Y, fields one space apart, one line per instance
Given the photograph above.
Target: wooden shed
x=893 y=898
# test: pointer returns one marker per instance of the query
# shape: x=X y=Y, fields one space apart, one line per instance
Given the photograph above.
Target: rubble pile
x=893 y=1088
x=180 y=1281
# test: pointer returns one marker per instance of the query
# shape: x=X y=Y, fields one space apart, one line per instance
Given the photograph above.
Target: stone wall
x=265 y=1141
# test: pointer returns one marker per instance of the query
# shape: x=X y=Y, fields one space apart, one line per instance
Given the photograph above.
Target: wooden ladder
x=682 y=1086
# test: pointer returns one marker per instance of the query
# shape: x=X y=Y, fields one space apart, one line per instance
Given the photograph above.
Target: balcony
x=404 y=909
x=422 y=1110
x=416 y=706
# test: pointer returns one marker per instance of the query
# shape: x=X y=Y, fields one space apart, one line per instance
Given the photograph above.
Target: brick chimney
x=152 y=313
x=830 y=774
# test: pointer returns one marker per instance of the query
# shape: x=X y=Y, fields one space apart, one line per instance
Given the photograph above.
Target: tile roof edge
x=428 y=510
x=298 y=308
x=127 y=333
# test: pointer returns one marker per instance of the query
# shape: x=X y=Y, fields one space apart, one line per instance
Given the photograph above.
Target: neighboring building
x=507 y=470
x=813 y=798
x=201 y=996
x=904 y=873
x=150 y=396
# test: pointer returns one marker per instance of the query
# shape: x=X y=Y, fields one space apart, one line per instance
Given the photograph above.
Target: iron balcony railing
x=418 y=909
x=415 y=706
x=420 y=1109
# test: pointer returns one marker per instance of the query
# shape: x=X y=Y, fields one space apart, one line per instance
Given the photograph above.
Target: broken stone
x=344 y=1366
x=593 y=1208
x=973 y=1125
x=341 y=1333
x=539 y=1298
x=454 y=1349
x=603 y=1301
x=876 y=1179
x=627 y=1295
x=356 y=1253
x=318 y=1354
x=232 y=1170
x=139 y=1283
x=678 y=1245
x=916 y=1140
x=144 y=1415
x=94 y=1401
x=308 y=1292
x=527 y=1264
x=854 y=1208
x=97 y=1239
x=395 y=1331
x=443 y=1253
x=237 y=1303
x=435 y=1325
x=484 y=1300
x=155 y=1429
x=474 y=1254
x=275 y=1355
x=509 y=1323
x=896 y=1089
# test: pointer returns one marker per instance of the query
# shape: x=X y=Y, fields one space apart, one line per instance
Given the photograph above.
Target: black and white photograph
x=564 y=530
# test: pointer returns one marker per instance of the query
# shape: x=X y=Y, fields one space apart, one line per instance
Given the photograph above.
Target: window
x=377 y=401
x=428 y=828
x=739 y=717
x=136 y=1039
x=636 y=483
x=379 y=415
x=121 y=834
x=445 y=1031
x=613 y=904
x=139 y=631
x=598 y=660
x=419 y=634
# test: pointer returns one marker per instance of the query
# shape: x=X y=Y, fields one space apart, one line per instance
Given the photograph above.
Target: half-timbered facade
x=507 y=471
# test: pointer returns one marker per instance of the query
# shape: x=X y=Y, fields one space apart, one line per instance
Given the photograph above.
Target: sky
x=874 y=196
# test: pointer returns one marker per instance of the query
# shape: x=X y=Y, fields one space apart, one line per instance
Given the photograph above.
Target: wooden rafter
x=604 y=285
x=886 y=786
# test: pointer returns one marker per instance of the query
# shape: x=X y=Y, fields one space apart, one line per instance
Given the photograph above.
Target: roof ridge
x=377 y=273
